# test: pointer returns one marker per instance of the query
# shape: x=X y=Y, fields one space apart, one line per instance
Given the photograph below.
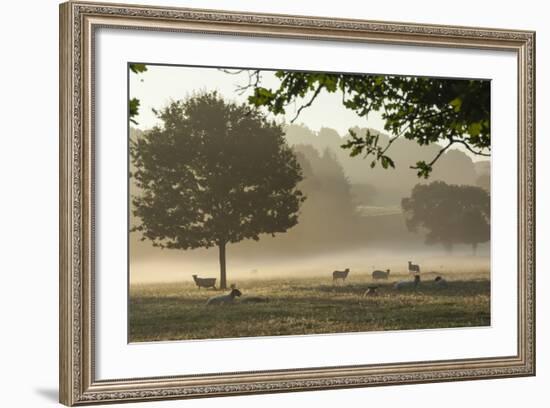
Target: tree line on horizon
x=388 y=186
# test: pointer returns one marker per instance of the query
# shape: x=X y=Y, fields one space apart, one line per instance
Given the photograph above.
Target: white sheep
x=205 y=282
x=222 y=299
x=440 y=282
x=381 y=274
x=406 y=284
x=414 y=268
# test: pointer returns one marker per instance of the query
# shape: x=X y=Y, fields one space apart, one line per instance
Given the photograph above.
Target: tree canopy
x=133 y=104
x=214 y=173
x=450 y=214
x=448 y=112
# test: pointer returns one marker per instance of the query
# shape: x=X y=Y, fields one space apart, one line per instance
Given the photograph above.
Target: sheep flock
x=337 y=276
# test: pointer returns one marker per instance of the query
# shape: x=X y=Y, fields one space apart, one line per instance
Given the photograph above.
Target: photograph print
x=275 y=202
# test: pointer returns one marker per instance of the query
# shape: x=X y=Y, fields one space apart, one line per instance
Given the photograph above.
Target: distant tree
x=300 y=135
x=214 y=173
x=455 y=167
x=450 y=214
x=430 y=111
x=338 y=198
x=329 y=139
x=328 y=218
x=475 y=227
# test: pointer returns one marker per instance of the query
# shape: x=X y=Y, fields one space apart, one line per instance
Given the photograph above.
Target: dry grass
x=311 y=305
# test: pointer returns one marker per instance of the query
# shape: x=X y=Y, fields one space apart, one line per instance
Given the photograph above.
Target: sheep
x=414 y=268
x=205 y=282
x=340 y=275
x=440 y=282
x=222 y=299
x=407 y=284
x=371 y=290
x=381 y=274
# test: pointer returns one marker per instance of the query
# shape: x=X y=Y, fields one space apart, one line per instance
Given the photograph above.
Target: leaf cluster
x=426 y=110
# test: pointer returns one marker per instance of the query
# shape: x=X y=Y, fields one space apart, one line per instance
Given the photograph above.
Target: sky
x=161 y=84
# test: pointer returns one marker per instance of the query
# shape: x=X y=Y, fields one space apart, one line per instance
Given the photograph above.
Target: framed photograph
x=256 y=203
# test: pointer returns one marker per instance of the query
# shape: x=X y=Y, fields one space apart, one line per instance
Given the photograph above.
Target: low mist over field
x=180 y=267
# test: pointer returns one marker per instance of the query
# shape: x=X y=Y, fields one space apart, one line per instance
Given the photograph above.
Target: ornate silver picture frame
x=79 y=22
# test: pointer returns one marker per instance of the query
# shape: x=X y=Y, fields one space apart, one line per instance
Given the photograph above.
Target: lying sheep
x=222 y=299
x=440 y=282
x=405 y=284
x=381 y=274
x=371 y=290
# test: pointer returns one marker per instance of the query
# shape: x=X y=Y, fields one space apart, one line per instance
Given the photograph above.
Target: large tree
x=449 y=214
x=214 y=173
x=444 y=112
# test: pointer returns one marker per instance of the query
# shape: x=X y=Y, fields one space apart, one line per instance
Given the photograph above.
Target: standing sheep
x=205 y=282
x=340 y=275
x=414 y=268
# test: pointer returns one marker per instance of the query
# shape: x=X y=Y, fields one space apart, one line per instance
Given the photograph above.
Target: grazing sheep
x=340 y=275
x=205 y=282
x=371 y=290
x=414 y=268
x=381 y=274
x=440 y=282
x=222 y=299
x=407 y=284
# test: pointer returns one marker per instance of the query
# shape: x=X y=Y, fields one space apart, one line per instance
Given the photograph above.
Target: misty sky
x=162 y=84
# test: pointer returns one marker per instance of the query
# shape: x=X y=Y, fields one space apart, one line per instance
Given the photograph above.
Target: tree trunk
x=223 y=279
x=474 y=248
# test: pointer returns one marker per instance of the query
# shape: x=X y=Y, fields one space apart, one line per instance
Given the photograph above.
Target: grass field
x=312 y=305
